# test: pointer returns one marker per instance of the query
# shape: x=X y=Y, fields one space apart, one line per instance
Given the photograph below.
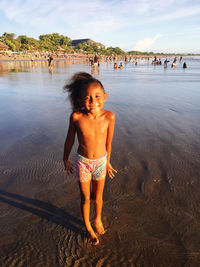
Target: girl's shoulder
x=76 y=115
x=109 y=114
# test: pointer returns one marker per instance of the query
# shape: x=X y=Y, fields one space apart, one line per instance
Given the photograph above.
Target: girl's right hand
x=68 y=167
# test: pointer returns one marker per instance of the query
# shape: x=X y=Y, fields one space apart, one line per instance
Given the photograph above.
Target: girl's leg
x=85 y=208
x=97 y=197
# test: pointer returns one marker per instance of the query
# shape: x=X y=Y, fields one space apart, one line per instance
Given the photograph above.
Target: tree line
x=54 y=42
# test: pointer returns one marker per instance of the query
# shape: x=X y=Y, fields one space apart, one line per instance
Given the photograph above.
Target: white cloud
x=75 y=18
x=112 y=14
x=146 y=43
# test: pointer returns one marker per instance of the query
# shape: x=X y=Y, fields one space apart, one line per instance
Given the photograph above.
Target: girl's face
x=94 y=98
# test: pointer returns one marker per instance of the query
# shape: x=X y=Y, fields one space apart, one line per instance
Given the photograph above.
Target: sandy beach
x=151 y=209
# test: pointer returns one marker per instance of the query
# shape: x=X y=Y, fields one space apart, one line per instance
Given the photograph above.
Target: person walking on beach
x=94 y=127
x=50 y=60
x=96 y=59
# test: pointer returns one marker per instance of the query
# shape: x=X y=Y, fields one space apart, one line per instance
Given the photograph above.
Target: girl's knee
x=96 y=197
x=85 y=199
x=97 y=200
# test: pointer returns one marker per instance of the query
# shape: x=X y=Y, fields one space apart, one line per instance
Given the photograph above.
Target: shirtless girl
x=94 y=127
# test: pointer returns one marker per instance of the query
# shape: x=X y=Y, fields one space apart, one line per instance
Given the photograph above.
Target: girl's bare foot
x=93 y=241
x=92 y=238
x=99 y=227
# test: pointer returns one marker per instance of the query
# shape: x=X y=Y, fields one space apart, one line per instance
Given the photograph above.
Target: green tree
x=17 y=44
x=10 y=45
x=8 y=39
x=95 y=48
x=8 y=36
x=27 y=43
x=23 y=39
x=54 y=39
x=118 y=51
x=65 y=41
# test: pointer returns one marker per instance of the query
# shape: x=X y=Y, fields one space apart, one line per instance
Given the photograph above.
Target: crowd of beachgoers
x=120 y=62
x=94 y=60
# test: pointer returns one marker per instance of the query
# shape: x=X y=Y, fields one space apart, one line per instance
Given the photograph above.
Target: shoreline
x=29 y=58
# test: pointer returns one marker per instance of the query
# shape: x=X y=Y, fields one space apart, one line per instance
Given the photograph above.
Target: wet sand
x=151 y=208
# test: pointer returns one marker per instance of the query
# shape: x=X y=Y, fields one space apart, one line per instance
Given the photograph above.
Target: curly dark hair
x=79 y=82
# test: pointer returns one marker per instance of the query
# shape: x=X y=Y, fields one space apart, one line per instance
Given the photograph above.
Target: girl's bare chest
x=92 y=127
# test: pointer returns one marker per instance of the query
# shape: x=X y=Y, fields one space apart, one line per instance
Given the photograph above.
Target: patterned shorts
x=90 y=169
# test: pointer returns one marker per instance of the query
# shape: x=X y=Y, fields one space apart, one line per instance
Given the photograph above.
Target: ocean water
x=30 y=95
x=151 y=209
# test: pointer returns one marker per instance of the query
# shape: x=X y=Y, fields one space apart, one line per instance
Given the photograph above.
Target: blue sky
x=143 y=25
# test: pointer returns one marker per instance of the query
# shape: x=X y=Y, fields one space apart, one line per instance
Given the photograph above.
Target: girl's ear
x=105 y=96
x=80 y=103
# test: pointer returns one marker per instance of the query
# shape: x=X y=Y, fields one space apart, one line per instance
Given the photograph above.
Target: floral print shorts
x=90 y=169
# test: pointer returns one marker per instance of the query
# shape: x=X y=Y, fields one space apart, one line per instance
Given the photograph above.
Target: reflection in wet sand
x=23 y=66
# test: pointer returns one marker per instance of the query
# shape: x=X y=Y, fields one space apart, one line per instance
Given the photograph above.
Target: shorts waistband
x=86 y=159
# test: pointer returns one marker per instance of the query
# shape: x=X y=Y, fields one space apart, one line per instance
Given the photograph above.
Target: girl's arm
x=68 y=144
x=110 y=170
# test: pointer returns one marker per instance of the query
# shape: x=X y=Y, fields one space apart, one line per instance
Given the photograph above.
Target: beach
x=151 y=209
x=39 y=57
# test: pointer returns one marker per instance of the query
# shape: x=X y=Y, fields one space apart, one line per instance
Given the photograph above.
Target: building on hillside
x=3 y=47
x=88 y=41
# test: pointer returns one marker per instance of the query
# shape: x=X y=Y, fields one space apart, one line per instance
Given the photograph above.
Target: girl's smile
x=94 y=98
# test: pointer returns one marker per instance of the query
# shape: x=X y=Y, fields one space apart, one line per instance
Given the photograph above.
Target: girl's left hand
x=110 y=171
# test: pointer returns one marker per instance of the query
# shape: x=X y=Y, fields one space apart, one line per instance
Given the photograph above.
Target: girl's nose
x=91 y=100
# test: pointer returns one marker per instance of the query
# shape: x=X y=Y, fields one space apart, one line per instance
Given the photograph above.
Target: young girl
x=94 y=127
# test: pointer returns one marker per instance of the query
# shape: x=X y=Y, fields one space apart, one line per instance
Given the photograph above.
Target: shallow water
x=151 y=209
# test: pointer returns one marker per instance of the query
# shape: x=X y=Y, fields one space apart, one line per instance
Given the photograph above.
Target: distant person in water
x=96 y=59
x=174 y=63
x=165 y=63
x=120 y=66
x=184 y=65
x=94 y=128
x=50 y=60
x=115 y=65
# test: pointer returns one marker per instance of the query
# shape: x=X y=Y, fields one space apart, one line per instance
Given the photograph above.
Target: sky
x=144 y=25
